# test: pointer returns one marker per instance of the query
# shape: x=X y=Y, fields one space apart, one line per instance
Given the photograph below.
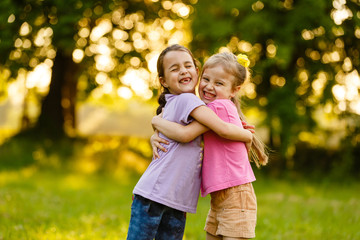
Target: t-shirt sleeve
x=219 y=107
x=186 y=103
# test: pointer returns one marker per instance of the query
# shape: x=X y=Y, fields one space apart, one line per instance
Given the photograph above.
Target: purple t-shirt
x=174 y=178
x=226 y=163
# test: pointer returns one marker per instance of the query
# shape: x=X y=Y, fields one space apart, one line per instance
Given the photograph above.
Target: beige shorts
x=233 y=212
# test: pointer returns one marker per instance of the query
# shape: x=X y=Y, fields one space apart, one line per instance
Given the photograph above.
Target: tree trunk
x=69 y=91
x=58 y=107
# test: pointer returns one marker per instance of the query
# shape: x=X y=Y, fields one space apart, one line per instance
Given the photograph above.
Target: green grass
x=66 y=205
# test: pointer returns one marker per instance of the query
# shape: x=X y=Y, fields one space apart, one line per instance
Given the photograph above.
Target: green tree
x=34 y=32
x=301 y=54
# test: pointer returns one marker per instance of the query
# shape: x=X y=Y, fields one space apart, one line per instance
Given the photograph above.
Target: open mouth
x=208 y=95
x=185 y=80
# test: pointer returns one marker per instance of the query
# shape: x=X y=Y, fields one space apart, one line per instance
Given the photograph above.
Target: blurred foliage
x=303 y=95
x=302 y=53
x=118 y=156
x=90 y=47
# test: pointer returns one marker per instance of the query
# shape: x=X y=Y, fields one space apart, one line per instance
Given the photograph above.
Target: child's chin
x=206 y=101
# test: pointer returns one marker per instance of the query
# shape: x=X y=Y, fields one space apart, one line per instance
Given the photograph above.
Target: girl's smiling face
x=216 y=83
x=180 y=72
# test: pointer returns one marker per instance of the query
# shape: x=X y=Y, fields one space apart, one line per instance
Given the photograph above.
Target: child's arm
x=177 y=131
x=207 y=117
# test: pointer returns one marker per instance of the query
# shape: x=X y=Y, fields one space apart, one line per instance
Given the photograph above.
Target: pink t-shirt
x=226 y=163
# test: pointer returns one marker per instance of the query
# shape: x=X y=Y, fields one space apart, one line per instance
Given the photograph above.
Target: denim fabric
x=151 y=220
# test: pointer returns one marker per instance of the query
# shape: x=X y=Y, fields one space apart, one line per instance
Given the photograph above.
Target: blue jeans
x=151 y=220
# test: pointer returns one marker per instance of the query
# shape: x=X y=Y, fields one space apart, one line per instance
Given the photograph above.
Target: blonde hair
x=259 y=152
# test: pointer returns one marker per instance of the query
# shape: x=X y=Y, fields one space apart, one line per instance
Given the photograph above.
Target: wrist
x=249 y=135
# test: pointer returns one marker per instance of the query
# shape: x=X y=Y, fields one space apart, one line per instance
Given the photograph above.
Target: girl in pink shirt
x=226 y=170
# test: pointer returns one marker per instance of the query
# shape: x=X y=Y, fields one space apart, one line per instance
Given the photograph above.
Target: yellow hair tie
x=243 y=60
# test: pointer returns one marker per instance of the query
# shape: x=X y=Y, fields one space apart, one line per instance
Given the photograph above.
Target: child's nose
x=183 y=70
x=210 y=86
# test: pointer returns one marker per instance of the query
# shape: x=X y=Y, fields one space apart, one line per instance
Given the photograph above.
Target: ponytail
x=259 y=153
x=162 y=100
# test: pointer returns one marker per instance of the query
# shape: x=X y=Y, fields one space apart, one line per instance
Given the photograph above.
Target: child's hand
x=155 y=141
x=246 y=126
x=155 y=119
x=248 y=146
x=250 y=128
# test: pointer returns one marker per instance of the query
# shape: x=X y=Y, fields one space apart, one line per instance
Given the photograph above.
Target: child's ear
x=235 y=91
x=163 y=82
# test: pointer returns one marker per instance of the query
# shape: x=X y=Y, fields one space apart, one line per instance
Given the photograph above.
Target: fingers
x=156 y=147
x=155 y=153
x=161 y=147
x=246 y=126
x=251 y=130
x=155 y=138
x=161 y=140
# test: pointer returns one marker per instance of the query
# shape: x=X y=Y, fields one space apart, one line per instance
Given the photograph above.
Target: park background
x=78 y=90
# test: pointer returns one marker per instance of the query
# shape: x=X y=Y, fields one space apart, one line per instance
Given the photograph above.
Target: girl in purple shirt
x=170 y=185
x=226 y=170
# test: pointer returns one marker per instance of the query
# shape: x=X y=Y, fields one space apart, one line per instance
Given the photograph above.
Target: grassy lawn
x=62 y=205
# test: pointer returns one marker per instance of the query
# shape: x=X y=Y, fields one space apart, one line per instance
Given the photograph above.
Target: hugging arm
x=205 y=119
x=178 y=132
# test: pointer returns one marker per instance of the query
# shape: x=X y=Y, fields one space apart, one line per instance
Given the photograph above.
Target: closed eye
x=205 y=79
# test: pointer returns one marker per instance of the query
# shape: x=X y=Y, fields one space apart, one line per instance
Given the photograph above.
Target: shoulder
x=181 y=97
x=182 y=105
x=221 y=103
x=224 y=108
x=189 y=97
